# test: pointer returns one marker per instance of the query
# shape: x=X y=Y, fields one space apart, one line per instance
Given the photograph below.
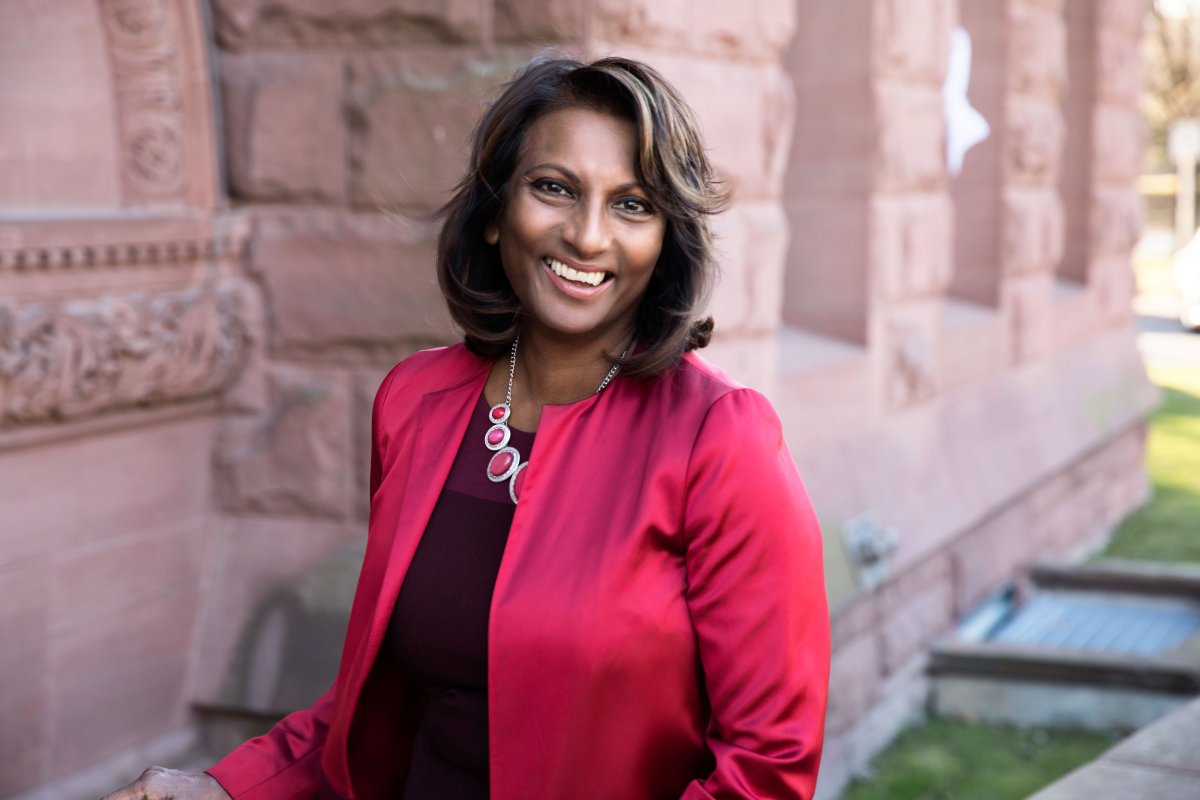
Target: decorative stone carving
x=89 y=356
x=60 y=257
x=149 y=93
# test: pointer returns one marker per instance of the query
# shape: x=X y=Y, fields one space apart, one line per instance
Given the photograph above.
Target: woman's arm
x=756 y=594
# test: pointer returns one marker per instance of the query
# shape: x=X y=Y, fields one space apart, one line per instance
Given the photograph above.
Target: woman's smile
x=578 y=237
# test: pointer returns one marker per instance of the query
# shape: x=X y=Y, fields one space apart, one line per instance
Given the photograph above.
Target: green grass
x=1168 y=527
x=945 y=760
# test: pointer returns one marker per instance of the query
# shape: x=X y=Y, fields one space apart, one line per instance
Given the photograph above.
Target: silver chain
x=512 y=371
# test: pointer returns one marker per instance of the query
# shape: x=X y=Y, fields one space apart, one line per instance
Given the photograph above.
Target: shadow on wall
x=287 y=654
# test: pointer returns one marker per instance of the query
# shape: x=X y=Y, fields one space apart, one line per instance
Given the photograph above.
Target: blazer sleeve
x=282 y=764
x=756 y=595
x=285 y=762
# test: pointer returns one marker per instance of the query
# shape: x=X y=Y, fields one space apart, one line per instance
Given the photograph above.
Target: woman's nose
x=588 y=231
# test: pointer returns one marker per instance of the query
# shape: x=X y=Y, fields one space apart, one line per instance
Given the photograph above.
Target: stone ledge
x=1165 y=673
x=1160 y=761
x=1119 y=575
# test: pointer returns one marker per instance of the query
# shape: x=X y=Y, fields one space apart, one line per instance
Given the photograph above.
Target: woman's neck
x=550 y=371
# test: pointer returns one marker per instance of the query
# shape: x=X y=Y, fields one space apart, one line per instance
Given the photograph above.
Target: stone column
x=1033 y=134
x=911 y=216
x=1118 y=130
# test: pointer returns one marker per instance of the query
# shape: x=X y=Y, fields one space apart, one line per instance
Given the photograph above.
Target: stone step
x=1113 y=645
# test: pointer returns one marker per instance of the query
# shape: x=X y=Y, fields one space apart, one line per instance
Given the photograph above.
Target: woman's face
x=578 y=237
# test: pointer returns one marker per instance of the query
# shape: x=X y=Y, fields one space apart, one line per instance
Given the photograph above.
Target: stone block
x=244 y=24
x=348 y=284
x=766 y=256
x=1122 y=15
x=830 y=64
x=1118 y=68
x=540 y=20
x=1038 y=51
x=1111 y=279
x=915 y=608
x=1028 y=305
x=296 y=459
x=911 y=137
x=24 y=694
x=1033 y=226
x=1035 y=133
x=1116 y=220
x=252 y=557
x=855 y=676
x=826 y=288
x=139 y=478
x=911 y=241
x=411 y=114
x=745 y=110
x=136 y=598
x=986 y=557
x=1118 y=143
x=913 y=39
x=853 y=619
x=646 y=23
x=285 y=126
x=756 y=30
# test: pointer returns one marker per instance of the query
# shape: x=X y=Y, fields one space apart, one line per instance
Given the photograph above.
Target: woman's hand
x=160 y=783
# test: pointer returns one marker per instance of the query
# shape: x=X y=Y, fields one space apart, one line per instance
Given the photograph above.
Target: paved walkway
x=1159 y=762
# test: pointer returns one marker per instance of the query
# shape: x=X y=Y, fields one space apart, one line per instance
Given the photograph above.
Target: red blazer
x=659 y=625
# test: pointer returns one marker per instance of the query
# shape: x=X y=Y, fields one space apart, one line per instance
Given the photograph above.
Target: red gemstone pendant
x=497 y=436
x=503 y=464
x=517 y=482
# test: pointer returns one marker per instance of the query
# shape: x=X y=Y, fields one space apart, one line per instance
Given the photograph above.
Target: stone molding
x=85 y=357
x=58 y=258
x=149 y=89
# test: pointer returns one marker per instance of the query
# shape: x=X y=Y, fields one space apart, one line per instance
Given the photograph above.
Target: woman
x=591 y=571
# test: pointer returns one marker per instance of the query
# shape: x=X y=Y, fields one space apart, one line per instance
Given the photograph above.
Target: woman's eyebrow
x=624 y=187
x=559 y=167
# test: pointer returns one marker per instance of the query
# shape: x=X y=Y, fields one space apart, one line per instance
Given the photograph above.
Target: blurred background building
x=216 y=237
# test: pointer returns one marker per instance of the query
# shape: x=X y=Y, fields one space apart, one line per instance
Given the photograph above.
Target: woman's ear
x=491 y=233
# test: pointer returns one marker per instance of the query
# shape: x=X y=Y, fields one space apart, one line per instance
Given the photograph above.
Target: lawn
x=1168 y=527
x=945 y=760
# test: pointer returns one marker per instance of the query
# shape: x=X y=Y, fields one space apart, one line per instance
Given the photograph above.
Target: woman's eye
x=552 y=187
x=634 y=205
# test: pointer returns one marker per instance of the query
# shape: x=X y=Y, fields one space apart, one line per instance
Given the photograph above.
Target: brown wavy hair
x=672 y=166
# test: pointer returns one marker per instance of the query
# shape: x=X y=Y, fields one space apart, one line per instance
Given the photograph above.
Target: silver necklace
x=506 y=464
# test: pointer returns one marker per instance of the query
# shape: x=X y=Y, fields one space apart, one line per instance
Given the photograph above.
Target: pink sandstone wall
x=186 y=371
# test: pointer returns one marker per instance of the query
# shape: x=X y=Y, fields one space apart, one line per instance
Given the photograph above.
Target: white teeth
x=571 y=274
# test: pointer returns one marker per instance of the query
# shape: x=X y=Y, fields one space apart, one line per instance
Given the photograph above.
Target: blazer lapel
x=442 y=421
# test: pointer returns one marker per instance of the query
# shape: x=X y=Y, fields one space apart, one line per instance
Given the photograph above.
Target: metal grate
x=1108 y=623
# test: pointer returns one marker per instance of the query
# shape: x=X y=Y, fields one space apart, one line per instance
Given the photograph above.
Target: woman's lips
x=576 y=283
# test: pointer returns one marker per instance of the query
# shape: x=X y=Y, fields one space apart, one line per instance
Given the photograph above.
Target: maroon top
x=439 y=627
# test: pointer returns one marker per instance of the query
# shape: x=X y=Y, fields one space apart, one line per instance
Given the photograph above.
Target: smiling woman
x=609 y=585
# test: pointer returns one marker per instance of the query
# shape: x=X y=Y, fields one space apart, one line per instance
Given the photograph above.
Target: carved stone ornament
x=149 y=92
x=86 y=357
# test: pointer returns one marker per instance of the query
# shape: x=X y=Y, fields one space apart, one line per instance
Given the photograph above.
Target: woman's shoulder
x=704 y=383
